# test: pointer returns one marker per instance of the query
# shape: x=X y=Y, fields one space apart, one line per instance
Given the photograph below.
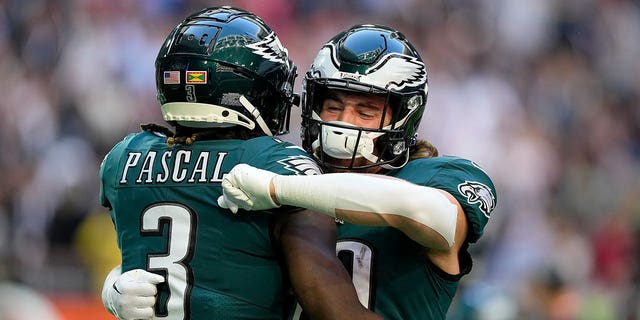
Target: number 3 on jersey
x=175 y=262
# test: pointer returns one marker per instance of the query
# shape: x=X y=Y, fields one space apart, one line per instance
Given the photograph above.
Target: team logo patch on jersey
x=300 y=165
x=196 y=77
x=478 y=193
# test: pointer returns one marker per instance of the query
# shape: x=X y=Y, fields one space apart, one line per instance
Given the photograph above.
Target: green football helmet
x=223 y=67
x=369 y=59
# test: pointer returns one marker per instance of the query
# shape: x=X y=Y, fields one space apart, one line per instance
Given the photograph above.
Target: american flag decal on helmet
x=171 y=77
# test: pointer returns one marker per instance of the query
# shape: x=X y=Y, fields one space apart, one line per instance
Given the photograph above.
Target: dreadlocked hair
x=156 y=128
x=186 y=136
x=152 y=127
x=423 y=149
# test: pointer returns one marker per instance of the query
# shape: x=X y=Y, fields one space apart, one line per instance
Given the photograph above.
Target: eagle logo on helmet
x=398 y=71
x=271 y=49
x=476 y=192
x=393 y=71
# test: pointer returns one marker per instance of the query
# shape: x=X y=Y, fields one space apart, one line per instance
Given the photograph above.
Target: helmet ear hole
x=218 y=55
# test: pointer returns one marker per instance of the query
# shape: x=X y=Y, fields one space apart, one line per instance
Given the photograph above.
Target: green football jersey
x=163 y=202
x=390 y=271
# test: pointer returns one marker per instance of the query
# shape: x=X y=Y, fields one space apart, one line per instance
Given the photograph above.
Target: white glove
x=247 y=187
x=131 y=295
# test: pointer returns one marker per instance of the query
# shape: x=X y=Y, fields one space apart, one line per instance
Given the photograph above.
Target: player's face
x=360 y=110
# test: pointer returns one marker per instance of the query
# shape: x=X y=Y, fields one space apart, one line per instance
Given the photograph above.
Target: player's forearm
x=321 y=283
x=373 y=200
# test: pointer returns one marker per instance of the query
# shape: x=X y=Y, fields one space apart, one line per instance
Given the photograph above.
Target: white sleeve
x=366 y=199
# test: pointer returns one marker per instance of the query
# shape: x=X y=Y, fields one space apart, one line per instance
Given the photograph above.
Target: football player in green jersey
x=225 y=85
x=407 y=215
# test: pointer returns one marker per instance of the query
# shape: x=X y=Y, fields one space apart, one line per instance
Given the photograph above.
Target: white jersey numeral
x=362 y=260
x=181 y=231
x=360 y=269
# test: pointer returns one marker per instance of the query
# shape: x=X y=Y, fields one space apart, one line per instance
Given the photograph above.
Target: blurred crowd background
x=543 y=94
